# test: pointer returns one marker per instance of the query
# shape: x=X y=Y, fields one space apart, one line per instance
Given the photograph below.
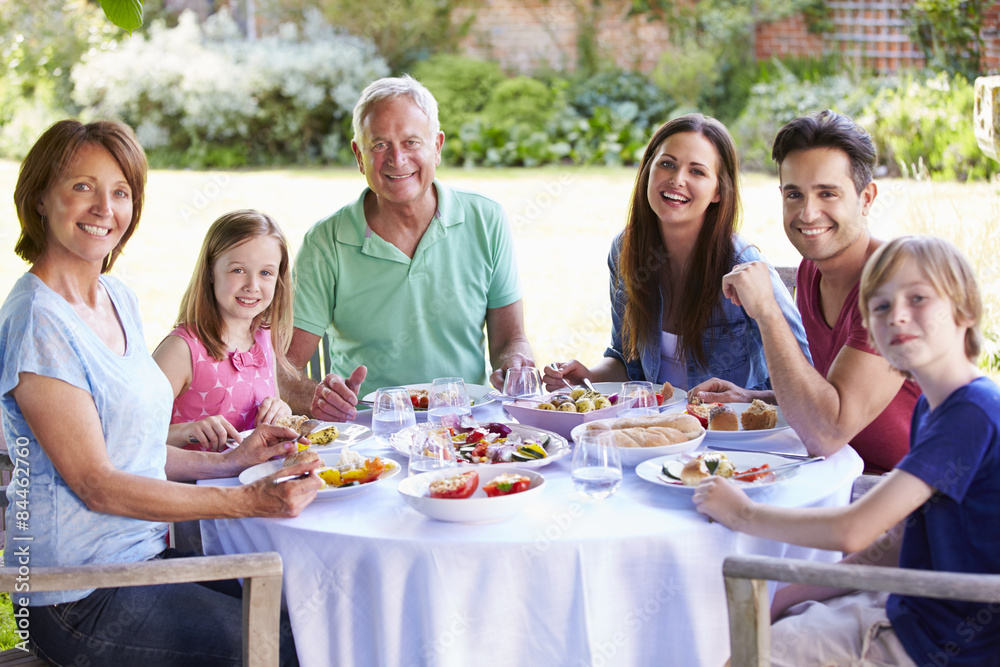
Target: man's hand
x=749 y=285
x=335 y=397
x=516 y=360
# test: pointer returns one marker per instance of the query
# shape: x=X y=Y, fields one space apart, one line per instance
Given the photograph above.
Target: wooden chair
x=749 y=606
x=319 y=366
x=261 y=573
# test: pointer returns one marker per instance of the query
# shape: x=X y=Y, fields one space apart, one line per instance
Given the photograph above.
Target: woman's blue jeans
x=173 y=624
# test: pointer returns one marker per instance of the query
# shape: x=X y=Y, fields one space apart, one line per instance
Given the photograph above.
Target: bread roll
x=722 y=418
x=667 y=391
x=685 y=423
x=650 y=436
x=759 y=416
x=706 y=465
x=303 y=456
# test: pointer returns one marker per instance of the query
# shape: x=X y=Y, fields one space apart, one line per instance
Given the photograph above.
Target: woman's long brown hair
x=199 y=311
x=644 y=258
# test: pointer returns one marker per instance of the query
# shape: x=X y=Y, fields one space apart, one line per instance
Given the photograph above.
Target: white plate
x=557 y=448
x=477 y=508
x=253 y=473
x=741 y=435
x=358 y=433
x=608 y=388
x=477 y=395
x=633 y=456
x=651 y=470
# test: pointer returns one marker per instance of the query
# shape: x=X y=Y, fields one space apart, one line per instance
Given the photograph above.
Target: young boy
x=920 y=302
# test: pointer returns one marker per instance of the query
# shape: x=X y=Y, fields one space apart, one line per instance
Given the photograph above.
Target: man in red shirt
x=851 y=394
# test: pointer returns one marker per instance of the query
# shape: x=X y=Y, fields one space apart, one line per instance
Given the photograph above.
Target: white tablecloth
x=632 y=580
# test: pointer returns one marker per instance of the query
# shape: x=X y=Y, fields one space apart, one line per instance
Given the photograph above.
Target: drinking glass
x=447 y=396
x=637 y=399
x=597 y=466
x=522 y=382
x=392 y=411
x=431 y=450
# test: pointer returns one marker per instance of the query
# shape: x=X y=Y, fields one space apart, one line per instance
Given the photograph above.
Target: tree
x=948 y=32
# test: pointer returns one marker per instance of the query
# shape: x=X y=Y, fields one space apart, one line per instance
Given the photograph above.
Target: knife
x=787 y=466
x=800 y=457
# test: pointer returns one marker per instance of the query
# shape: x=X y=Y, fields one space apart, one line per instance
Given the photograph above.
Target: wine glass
x=637 y=399
x=392 y=411
x=447 y=396
x=522 y=382
x=431 y=450
x=597 y=465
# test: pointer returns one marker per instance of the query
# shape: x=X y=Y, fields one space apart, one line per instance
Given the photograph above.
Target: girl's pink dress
x=233 y=387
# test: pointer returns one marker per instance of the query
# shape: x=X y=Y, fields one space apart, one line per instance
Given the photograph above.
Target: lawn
x=563 y=220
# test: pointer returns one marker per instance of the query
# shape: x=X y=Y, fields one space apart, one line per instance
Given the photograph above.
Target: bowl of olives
x=561 y=411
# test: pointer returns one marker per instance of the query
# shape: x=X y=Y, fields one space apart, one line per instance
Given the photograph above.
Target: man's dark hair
x=829 y=129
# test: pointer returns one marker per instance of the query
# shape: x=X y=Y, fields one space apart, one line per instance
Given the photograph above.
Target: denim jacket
x=732 y=341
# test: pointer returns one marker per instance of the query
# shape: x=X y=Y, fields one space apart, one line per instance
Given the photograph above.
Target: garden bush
x=775 y=102
x=461 y=85
x=282 y=99
x=924 y=125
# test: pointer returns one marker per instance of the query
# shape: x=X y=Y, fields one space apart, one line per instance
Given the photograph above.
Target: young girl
x=920 y=301
x=235 y=314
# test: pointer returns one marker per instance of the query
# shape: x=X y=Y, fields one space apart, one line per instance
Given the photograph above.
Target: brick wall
x=527 y=35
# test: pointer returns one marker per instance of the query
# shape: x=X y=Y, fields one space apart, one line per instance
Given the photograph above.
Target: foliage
x=622 y=93
x=923 y=125
x=948 y=32
x=285 y=98
x=520 y=100
x=403 y=31
x=461 y=85
x=8 y=635
x=126 y=14
x=773 y=103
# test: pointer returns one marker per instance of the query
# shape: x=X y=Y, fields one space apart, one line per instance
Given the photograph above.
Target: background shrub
x=462 y=86
x=282 y=99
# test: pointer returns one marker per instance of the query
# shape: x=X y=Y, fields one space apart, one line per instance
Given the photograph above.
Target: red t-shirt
x=883 y=442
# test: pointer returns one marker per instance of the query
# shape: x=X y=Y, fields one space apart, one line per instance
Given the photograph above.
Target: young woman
x=920 y=301
x=234 y=325
x=670 y=321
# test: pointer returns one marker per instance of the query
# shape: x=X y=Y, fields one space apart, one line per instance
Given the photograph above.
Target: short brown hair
x=829 y=129
x=199 y=311
x=945 y=267
x=52 y=154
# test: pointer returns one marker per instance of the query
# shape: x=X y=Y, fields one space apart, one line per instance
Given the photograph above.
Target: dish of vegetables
x=492 y=443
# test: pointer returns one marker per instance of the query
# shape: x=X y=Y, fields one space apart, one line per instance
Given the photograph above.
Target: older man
x=825 y=165
x=405 y=277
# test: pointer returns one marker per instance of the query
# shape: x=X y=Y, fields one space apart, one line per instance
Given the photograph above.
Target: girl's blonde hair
x=199 y=311
x=948 y=271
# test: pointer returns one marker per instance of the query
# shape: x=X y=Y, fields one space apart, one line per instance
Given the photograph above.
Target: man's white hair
x=394 y=86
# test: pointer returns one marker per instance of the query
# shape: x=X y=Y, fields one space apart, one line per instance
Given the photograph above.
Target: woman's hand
x=715 y=390
x=718 y=499
x=558 y=373
x=288 y=498
x=270 y=410
x=211 y=433
x=266 y=442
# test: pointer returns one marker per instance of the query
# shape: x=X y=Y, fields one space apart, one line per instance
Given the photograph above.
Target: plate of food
x=747 y=470
x=738 y=421
x=472 y=496
x=492 y=444
x=641 y=438
x=419 y=392
x=666 y=394
x=344 y=472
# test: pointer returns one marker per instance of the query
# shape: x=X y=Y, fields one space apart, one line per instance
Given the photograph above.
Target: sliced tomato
x=461 y=485
x=506 y=484
x=481 y=449
x=659 y=399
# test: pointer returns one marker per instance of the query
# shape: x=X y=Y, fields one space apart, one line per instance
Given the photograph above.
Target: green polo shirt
x=407 y=320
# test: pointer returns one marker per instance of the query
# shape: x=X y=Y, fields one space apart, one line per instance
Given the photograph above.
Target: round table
x=635 y=579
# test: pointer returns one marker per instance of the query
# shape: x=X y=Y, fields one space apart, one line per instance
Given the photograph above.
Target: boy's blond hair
x=944 y=266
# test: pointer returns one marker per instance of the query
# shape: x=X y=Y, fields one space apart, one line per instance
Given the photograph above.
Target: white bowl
x=556 y=421
x=633 y=456
x=477 y=508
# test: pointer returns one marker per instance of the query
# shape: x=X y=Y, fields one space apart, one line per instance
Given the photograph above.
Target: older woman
x=83 y=397
x=669 y=320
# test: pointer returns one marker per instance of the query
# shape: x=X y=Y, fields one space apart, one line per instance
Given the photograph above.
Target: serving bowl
x=633 y=456
x=477 y=508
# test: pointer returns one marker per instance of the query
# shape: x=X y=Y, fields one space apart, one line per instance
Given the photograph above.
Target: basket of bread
x=641 y=438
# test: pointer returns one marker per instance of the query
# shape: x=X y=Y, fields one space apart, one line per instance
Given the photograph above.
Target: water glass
x=637 y=400
x=597 y=465
x=522 y=382
x=392 y=411
x=431 y=450
x=447 y=396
